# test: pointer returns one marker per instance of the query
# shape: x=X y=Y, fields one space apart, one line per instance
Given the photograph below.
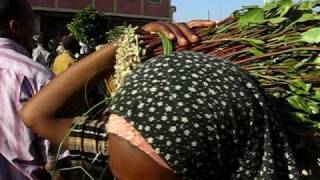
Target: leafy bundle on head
x=279 y=44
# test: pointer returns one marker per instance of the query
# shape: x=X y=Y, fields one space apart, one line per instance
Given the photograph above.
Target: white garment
x=84 y=48
x=42 y=56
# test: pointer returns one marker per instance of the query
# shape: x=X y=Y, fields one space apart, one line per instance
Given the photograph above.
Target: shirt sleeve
x=88 y=142
x=27 y=90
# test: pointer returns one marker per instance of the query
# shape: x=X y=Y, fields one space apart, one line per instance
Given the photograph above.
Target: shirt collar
x=10 y=44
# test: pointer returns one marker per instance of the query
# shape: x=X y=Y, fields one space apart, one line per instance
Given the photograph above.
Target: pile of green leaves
x=115 y=33
x=89 y=26
x=277 y=43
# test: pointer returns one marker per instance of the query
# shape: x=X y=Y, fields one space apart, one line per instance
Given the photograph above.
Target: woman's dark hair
x=11 y=9
x=42 y=39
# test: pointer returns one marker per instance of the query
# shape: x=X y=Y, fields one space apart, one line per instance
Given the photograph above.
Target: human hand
x=180 y=31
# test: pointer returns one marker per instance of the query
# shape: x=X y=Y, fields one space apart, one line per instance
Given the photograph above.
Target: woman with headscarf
x=179 y=116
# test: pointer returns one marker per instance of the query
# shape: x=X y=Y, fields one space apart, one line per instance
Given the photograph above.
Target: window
x=156 y=1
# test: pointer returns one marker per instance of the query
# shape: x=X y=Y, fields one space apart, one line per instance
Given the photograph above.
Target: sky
x=198 y=9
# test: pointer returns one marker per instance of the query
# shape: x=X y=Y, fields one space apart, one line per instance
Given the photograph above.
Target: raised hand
x=180 y=31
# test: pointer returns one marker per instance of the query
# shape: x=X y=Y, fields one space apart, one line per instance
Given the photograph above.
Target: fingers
x=155 y=27
x=179 y=34
x=201 y=23
x=172 y=31
x=179 y=31
x=184 y=28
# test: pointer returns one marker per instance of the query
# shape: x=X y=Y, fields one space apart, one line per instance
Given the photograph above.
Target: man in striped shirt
x=23 y=154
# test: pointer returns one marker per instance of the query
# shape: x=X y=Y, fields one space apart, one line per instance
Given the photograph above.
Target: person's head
x=16 y=21
x=71 y=44
x=41 y=39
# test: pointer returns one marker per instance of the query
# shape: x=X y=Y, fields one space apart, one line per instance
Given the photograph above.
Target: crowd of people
x=54 y=55
x=179 y=116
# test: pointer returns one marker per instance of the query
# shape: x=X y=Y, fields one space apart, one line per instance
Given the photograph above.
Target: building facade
x=51 y=16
